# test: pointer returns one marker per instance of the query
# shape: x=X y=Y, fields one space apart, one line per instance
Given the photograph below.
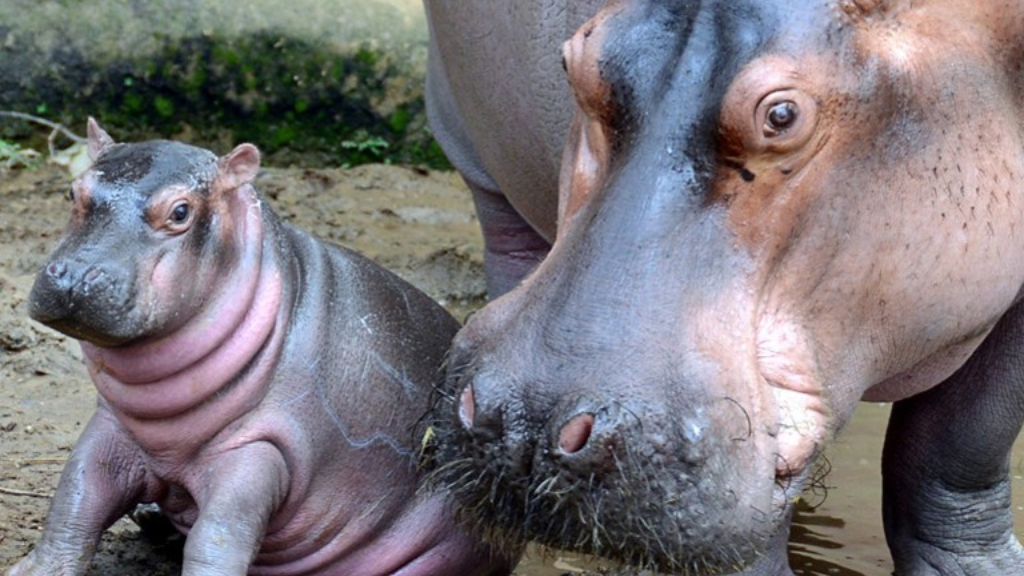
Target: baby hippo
x=262 y=387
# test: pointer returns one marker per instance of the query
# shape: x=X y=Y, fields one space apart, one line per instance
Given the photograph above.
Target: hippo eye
x=784 y=120
x=180 y=216
x=70 y=195
x=781 y=117
x=180 y=213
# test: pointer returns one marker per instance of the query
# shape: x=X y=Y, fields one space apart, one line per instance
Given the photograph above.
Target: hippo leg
x=946 y=465
x=512 y=247
x=247 y=485
x=100 y=483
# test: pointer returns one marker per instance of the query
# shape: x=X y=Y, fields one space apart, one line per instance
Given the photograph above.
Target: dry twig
x=56 y=128
x=14 y=492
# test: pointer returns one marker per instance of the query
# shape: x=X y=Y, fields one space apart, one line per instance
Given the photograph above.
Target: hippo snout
x=52 y=296
x=552 y=468
x=658 y=462
x=570 y=438
x=580 y=438
x=82 y=300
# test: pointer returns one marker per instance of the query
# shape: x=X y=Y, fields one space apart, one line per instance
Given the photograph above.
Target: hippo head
x=148 y=236
x=768 y=210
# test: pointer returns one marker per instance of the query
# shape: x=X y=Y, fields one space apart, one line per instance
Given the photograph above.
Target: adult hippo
x=767 y=211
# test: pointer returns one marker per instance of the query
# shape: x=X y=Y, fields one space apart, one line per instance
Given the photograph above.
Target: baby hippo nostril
x=575 y=433
x=467 y=408
x=56 y=269
x=93 y=275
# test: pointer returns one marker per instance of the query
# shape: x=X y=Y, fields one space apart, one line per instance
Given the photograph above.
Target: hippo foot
x=922 y=559
x=939 y=529
x=40 y=562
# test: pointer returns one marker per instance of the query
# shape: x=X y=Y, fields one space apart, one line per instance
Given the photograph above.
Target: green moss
x=164 y=106
x=132 y=103
x=399 y=121
x=299 y=101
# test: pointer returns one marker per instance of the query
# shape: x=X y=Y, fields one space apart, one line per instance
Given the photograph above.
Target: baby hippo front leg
x=245 y=486
x=103 y=479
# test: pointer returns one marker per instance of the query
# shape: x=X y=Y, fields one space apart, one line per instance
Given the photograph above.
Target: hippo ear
x=99 y=140
x=238 y=167
x=584 y=162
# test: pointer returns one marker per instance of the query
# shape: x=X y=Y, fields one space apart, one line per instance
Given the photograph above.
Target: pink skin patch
x=423 y=541
x=467 y=408
x=783 y=358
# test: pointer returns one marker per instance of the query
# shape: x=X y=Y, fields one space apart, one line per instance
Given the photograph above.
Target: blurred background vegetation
x=311 y=82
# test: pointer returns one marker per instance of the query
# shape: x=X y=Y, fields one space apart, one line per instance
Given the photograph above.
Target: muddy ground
x=418 y=224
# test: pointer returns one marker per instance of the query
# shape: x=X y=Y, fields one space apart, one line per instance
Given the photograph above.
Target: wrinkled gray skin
x=766 y=211
x=264 y=388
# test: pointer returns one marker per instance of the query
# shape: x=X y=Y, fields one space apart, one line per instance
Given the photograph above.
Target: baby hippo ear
x=238 y=167
x=98 y=140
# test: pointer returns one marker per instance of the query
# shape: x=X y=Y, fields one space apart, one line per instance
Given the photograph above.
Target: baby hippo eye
x=781 y=116
x=180 y=213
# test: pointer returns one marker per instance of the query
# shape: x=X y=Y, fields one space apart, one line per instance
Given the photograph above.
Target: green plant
x=14 y=156
x=365 y=149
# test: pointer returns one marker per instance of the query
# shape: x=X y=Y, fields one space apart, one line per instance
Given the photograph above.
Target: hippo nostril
x=575 y=434
x=467 y=408
x=93 y=275
x=57 y=269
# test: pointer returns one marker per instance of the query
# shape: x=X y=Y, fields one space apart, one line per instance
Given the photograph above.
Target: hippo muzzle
x=682 y=485
x=85 y=299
